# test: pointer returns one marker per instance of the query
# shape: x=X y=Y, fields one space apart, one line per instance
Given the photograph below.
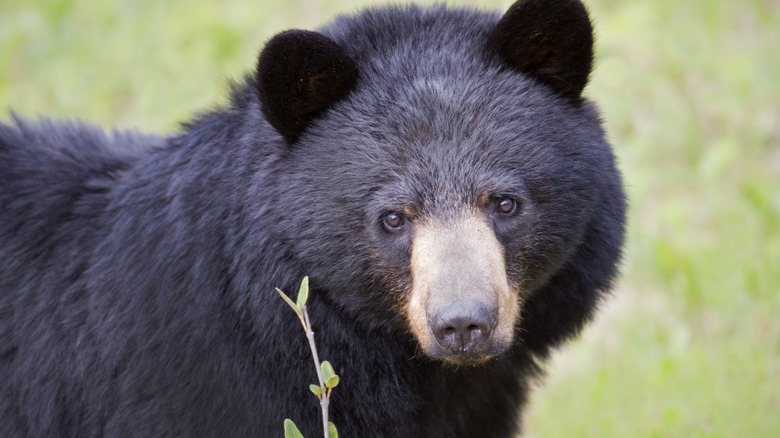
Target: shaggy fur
x=138 y=272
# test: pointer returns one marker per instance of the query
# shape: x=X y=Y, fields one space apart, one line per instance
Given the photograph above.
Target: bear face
x=460 y=183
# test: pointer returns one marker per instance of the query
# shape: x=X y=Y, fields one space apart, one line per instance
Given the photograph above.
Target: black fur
x=300 y=73
x=138 y=272
x=549 y=39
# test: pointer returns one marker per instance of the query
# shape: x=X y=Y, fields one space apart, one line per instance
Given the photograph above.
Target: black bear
x=435 y=171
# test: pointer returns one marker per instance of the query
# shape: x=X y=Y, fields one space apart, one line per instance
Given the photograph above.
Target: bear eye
x=393 y=222
x=506 y=206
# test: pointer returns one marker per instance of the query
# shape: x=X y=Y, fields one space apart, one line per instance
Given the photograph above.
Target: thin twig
x=324 y=398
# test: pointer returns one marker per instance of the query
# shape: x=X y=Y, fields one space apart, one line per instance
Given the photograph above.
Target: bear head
x=440 y=165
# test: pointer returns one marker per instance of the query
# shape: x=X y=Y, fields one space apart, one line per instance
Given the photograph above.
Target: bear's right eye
x=393 y=222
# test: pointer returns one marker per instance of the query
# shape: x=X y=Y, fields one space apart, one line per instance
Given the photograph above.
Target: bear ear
x=299 y=75
x=551 y=40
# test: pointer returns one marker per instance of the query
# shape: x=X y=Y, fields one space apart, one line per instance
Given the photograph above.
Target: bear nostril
x=475 y=332
x=459 y=328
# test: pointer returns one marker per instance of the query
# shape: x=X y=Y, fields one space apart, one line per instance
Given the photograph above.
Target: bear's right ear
x=300 y=74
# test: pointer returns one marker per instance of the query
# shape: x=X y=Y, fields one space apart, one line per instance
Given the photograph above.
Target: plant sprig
x=328 y=379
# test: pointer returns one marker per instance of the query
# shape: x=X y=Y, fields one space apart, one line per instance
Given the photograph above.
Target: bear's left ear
x=300 y=74
x=551 y=40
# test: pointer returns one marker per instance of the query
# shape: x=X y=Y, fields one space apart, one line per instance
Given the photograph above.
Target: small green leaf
x=317 y=390
x=289 y=301
x=327 y=370
x=332 y=432
x=303 y=292
x=291 y=430
x=332 y=382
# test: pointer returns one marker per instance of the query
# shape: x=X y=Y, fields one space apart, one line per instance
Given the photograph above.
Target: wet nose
x=460 y=327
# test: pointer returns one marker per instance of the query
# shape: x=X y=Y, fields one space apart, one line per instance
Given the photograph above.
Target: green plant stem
x=324 y=398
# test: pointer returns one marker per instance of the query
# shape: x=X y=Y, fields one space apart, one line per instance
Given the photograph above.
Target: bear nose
x=460 y=327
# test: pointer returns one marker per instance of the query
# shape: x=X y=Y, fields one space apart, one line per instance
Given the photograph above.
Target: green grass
x=690 y=92
x=691 y=345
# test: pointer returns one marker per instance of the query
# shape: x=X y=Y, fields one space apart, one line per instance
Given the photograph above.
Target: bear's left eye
x=506 y=206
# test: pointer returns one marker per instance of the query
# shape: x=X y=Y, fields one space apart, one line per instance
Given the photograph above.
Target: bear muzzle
x=461 y=308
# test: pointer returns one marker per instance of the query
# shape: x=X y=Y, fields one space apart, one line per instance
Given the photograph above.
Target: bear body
x=446 y=188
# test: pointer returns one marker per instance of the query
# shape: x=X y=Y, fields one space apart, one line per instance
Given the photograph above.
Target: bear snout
x=461 y=307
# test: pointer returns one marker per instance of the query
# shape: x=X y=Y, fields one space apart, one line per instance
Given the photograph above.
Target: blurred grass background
x=689 y=346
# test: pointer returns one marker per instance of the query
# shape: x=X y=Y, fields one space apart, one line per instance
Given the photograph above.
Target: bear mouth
x=466 y=351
